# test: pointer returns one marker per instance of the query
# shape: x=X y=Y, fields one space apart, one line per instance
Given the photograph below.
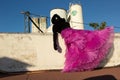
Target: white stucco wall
x=31 y=52
x=115 y=57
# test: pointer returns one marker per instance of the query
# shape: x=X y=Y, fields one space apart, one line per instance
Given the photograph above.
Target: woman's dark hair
x=56 y=19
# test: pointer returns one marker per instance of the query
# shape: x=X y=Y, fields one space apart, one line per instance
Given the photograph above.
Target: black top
x=59 y=24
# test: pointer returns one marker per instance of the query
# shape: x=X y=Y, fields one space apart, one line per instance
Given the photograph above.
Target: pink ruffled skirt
x=85 y=49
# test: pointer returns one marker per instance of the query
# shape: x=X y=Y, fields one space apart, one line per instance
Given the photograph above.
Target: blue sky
x=93 y=11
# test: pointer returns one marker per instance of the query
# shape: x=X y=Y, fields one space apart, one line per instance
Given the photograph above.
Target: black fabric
x=59 y=24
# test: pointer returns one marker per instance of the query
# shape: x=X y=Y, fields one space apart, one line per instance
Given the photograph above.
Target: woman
x=85 y=49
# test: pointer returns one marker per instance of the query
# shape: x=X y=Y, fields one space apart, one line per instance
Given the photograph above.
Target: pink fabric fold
x=85 y=49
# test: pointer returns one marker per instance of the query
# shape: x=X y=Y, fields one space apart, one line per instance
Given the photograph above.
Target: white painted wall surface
x=32 y=52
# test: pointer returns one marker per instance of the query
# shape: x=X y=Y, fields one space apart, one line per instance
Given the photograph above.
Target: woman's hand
x=59 y=49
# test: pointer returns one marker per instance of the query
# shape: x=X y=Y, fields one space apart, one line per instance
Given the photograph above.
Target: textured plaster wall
x=114 y=58
x=31 y=52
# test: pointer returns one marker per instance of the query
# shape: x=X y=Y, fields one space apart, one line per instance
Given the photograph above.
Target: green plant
x=97 y=26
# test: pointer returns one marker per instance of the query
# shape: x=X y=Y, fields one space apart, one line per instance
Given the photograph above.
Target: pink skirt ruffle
x=85 y=49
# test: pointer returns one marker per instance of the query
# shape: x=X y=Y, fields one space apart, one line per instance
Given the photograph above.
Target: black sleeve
x=55 y=40
x=55 y=37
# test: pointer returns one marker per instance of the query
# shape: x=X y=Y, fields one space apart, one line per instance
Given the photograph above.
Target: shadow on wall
x=103 y=77
x=9 y=65
x=108 y=57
